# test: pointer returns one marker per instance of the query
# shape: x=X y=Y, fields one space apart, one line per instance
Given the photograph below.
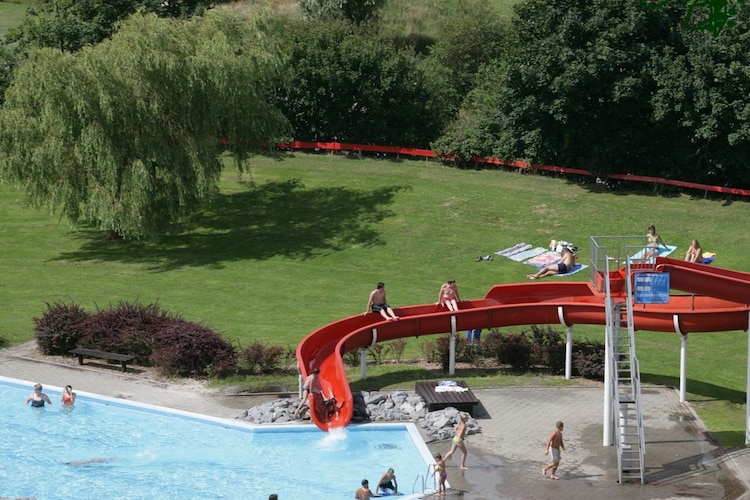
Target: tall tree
x=703 y=94
x=577 y=91
x=72 y=24
x=125 y=133
x=350 y=83
x=356 y=11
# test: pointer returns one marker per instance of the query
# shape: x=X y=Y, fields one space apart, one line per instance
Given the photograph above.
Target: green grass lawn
x=301 y=241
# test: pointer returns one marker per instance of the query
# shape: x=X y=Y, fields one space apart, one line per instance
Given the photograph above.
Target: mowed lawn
x=300 y=241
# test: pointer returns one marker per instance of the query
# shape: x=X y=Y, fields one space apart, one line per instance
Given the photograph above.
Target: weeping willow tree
x=126 y=134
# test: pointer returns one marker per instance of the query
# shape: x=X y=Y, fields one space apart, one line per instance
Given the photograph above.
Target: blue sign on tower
x=651 y=288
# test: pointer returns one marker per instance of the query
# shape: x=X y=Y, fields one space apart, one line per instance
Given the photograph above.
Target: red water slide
x=716 y=301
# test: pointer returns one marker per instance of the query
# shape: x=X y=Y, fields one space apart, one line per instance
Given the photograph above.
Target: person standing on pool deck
x=379 y=304
x=441 y=472
x=38 y=398
x=448 y=295
x=458 y=440
x=555 y=444
x=311 y=386
x=364 y=492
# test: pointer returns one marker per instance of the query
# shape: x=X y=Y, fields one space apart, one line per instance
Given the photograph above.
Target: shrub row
x=174 y=346
x=540 y=348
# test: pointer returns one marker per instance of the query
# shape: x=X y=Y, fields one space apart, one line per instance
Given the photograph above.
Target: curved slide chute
x=717 y=302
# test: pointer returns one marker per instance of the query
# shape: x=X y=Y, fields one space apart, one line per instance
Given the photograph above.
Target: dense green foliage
x=612 y=87
x=129 y=142
x=356 y=11
x=69 y=25
x=351 y=83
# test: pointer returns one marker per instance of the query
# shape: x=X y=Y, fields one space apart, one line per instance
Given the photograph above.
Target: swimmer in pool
x=38 y=398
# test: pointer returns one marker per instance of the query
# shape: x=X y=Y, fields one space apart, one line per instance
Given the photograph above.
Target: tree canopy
x=124 y=134
x=72 y=24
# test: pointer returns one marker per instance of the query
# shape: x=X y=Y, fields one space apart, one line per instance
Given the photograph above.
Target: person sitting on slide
x=331 y=405
x=694 y=253
x=565 y=265
x=378 y=303
x=448 y=295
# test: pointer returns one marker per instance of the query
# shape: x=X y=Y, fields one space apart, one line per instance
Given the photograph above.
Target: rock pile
x=370 y=407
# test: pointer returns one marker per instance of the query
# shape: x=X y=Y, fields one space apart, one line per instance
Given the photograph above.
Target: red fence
x=426 y=153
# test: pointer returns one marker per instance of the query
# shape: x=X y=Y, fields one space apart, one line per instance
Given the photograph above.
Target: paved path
x=506 y=458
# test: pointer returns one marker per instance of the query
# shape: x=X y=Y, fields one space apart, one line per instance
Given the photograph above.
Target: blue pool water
x=134 y=451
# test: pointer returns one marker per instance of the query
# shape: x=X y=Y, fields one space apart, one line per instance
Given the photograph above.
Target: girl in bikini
x=655 y=243
x=458 y=440
x=448 y=295
x=442 y=474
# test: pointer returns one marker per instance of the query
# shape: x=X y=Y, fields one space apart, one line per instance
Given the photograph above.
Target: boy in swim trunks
x=378 y=304
x=566 y=263
x=388 y=483
x=554 y=444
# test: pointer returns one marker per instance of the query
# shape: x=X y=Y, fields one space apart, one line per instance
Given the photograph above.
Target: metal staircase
x=626 y=385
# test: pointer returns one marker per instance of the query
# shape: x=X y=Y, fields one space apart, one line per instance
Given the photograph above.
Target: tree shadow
x=703 y=389
x=268 y=220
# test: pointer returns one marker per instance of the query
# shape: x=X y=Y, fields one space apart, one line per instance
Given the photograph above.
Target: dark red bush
x=59 y=329
x=190 y=350
x=260 y=357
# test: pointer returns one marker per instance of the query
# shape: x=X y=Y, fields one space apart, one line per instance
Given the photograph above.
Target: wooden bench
x=463 y=401
x=93 y=353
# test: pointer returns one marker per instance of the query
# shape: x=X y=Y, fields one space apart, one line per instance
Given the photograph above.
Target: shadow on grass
x=702 y=389
x=269 y=220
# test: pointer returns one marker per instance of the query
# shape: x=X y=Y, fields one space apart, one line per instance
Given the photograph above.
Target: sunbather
x=566 y=263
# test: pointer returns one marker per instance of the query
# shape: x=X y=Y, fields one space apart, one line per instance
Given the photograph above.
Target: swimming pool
x=108 y=448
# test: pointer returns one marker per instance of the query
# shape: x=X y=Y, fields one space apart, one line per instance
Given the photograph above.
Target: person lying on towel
x=566 y=263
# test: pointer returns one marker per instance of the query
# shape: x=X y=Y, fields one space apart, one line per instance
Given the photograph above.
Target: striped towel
x=522 y=256
x=513 y=250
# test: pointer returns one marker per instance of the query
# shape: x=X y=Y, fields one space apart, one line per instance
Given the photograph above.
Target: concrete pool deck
x=506 y=458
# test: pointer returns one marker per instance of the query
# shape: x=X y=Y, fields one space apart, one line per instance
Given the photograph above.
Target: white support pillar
x=452 y=353
x=683 y=357
x=363 y=363
x=747 y=386
x=568 y=343
x=683 y=367
x=363 y=355
x=300 y=383
x=607 y=422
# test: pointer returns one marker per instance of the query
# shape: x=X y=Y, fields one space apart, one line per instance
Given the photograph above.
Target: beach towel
x=663 y=252
x=522 y=256
x=521 y=247
x=576 y=268
x=543 y=259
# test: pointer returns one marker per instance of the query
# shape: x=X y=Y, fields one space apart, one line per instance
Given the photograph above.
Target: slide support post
x=683 y=367
x=452 y=355
x=363 y=363
x=607 y=422
x=568 y=343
